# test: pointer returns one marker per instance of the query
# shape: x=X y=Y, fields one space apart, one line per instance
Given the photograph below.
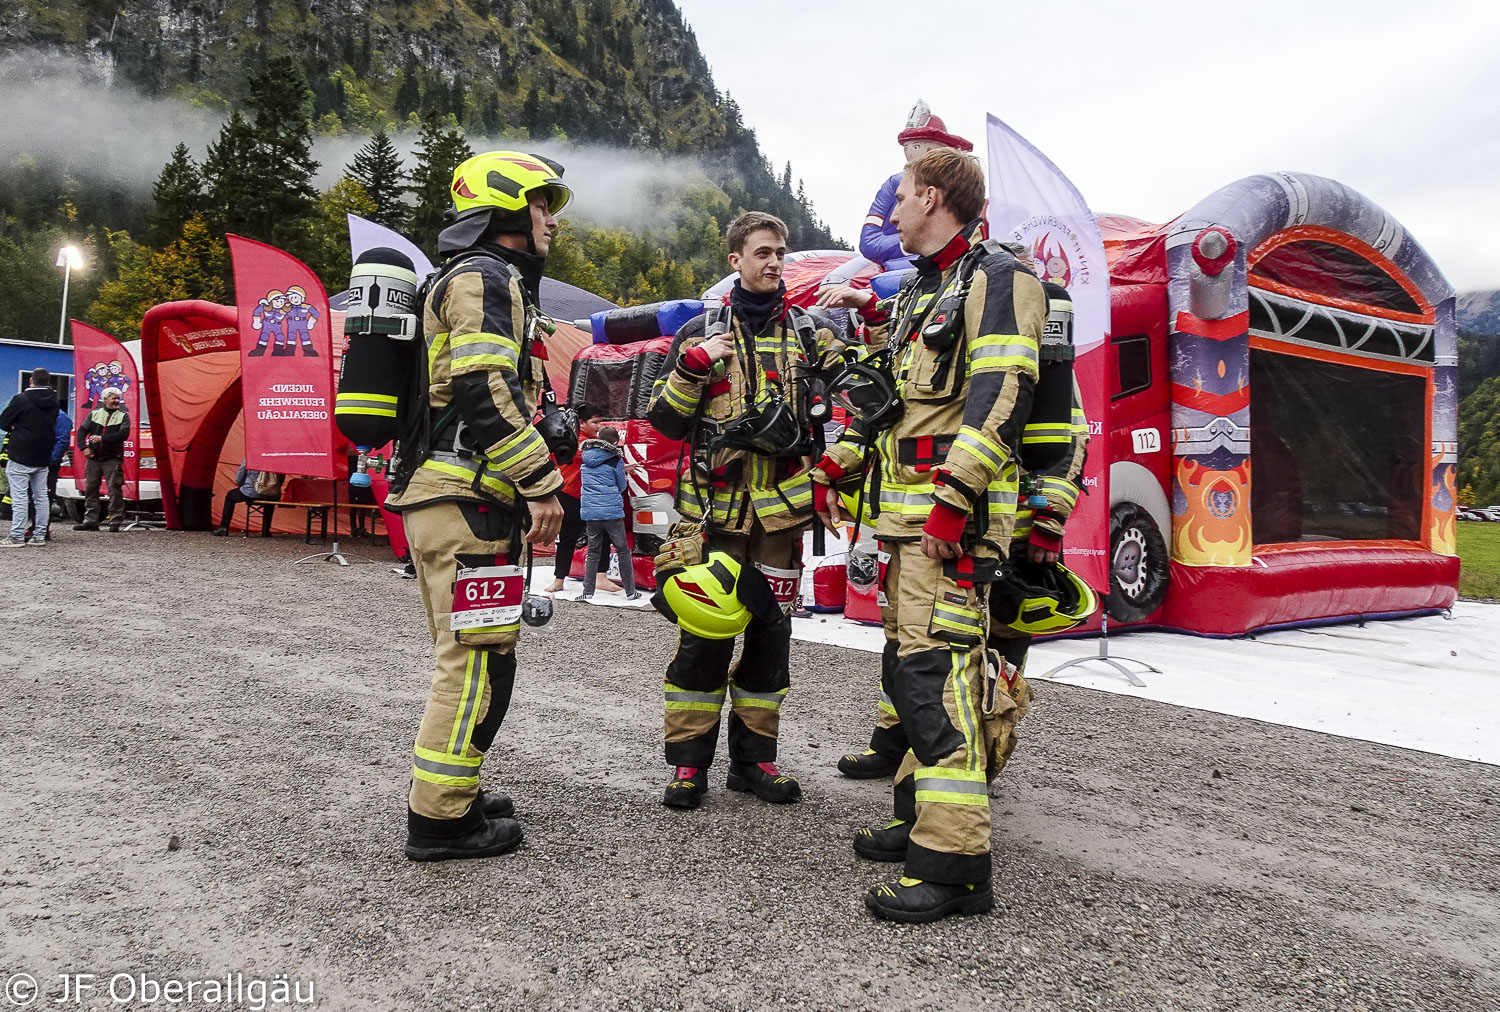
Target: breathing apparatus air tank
x=1048 y=434
x=381 y=325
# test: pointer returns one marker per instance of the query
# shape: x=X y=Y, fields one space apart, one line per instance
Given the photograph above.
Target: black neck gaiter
x=529 y=265
x=758 y=313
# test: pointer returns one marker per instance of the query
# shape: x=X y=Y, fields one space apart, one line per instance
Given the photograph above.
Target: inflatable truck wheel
x=74 y=509
x=1138 y=572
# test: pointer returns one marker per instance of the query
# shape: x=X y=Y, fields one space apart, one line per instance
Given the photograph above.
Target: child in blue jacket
x=602 y=507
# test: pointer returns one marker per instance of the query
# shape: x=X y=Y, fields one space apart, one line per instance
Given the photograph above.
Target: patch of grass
x=1479 y=559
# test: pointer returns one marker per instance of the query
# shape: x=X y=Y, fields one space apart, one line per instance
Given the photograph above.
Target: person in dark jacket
x=29 y=420
x=101 y=439
x=603 y=508
x=246 y=490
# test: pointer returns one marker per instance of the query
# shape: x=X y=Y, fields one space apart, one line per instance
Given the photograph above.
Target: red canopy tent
x=190 y=355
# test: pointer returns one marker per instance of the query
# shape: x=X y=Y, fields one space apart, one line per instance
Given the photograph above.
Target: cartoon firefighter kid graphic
x=285 y=321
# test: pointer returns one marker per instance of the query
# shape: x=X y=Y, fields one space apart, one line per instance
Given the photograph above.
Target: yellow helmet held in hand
x=498 y=186
x=717 y=598
x=1035 y=598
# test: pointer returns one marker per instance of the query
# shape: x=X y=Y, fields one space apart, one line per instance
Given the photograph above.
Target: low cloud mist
x=64 y=112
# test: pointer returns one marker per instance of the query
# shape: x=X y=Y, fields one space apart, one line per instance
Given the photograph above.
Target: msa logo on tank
x=377 y=294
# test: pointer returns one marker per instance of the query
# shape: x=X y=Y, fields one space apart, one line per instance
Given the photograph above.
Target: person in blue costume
x=878 y=240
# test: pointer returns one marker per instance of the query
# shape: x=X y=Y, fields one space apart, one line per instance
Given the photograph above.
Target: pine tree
x=409 y=95
x=377 y=167
x=283 y=136
x=327 y=249
x=178 y=195
x=439 y=152
x=232 y=176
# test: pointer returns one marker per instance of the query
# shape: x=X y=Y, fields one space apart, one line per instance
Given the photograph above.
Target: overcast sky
x=1148 y=106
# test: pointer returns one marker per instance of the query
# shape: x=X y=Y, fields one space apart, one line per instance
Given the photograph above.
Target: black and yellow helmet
x=1036 y=598
x=717 y=598
x=497 y=187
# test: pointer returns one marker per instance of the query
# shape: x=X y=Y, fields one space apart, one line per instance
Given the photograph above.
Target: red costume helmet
x=922 y=125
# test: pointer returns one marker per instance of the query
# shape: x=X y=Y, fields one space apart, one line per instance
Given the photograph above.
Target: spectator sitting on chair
x=603 y=509
x=251 y=486
x=102 y=438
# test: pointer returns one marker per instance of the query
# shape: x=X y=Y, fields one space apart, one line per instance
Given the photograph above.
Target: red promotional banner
x=99 y=363
x=286 y=363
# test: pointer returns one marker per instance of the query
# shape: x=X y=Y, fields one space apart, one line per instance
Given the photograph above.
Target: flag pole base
x=1104 y=657
x=332 y=555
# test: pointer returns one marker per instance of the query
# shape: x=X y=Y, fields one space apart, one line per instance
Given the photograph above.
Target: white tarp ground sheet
x=1431 y=684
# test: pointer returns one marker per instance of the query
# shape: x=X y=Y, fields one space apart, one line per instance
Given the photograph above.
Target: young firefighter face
x=761 y=261
x=543 y=223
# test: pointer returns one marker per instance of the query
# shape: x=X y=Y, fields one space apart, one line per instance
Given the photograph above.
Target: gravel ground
x=208 y=750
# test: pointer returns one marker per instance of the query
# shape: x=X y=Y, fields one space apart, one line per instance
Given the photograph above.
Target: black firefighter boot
x=687 y=788
x=913 y=901
x=470 y=837
x=763 y=780
x=495 y=805
x=888 y=844
x=868 y=765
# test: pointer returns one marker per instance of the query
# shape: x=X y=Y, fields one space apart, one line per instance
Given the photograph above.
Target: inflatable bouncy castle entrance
x=1283 y=432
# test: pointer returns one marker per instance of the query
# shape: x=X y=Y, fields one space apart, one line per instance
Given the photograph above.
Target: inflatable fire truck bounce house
x=1282 y=424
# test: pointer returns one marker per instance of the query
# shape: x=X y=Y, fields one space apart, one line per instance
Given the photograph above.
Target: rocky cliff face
x=1479 y=312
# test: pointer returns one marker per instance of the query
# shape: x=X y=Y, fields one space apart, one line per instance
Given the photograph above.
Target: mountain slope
x=619 y=72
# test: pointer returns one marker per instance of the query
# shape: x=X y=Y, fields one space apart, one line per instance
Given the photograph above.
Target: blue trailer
x=18 y=358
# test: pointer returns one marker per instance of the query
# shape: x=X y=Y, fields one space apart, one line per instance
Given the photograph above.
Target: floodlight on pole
x=70 y=260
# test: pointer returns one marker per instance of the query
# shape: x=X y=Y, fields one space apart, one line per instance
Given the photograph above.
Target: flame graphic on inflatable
x=1213 y=527
x=1444 y=532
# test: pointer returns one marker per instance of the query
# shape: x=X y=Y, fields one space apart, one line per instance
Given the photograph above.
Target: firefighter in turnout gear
x=962 y=338
x=736 y=388
x=1037 y=536
x=473 y=467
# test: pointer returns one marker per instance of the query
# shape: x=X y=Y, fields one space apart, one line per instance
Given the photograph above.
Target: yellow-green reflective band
x=443 y=779
x=442 y=768
x=1002 y=344
x=966 y=709
x=514 y=447
x=468 y=701
x=959 y=622
x=768 y=700
x=439 y=342
x=952 y=798
x=497 y=362
x=999 y=363
x=908 y=500
x=381 y=405
x=467 y=474
x=980 y=445
x=678 y=399
x=952 y=786
x=492 y=345
x=678 y=698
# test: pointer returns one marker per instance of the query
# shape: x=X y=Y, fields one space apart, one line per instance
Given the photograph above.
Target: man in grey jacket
x=101 y=439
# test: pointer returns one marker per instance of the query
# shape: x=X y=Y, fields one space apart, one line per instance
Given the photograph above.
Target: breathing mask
x=867 y=390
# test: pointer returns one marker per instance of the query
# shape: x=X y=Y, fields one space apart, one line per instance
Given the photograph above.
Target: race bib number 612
x=490 y=595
